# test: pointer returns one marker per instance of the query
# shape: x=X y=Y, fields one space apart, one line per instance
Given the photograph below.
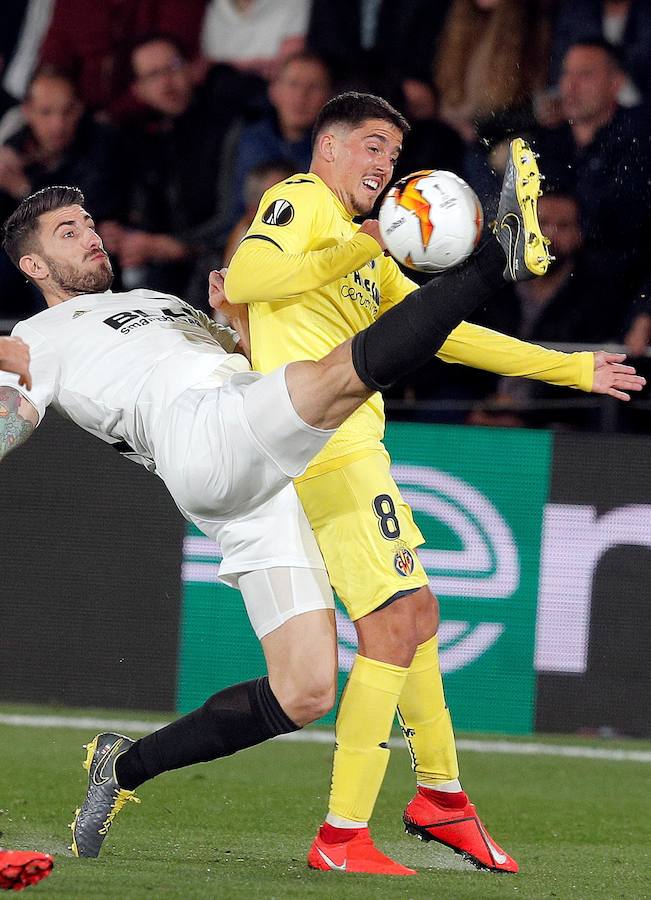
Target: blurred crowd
x=174 y=118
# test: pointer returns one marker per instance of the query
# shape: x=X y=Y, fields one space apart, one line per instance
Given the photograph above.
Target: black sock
x=239 y=716
x=410 y=333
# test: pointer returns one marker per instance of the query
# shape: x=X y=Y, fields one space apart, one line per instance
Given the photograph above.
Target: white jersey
x=114 y=362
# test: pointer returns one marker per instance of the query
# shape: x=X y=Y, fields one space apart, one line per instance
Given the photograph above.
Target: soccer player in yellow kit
x=313 y=278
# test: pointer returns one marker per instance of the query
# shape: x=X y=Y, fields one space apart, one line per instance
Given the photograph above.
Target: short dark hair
x=352 y=108
x=21 y=228
x=54 y=73
x=306 y=56
x=613 y=52
x=152 y=37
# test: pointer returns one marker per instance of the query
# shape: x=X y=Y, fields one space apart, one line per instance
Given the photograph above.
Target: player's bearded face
x=92 y=276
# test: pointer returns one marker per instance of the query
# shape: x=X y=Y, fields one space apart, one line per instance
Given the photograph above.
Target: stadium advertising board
x=90 y=592
x=538 y=545
x=594 y=628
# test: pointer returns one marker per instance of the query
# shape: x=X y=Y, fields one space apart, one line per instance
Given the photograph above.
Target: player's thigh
x=292 y=612
x=275 y=424
x=271 y=535
x=301 y=658
x=365 y=532
x=223 y=451
x=209 y=460
x=276 y=595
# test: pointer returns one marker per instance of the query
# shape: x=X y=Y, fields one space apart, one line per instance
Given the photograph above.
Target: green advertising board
x=478 y=496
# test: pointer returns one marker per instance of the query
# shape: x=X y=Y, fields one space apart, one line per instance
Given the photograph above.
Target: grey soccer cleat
x=517 y=227
x=104 y=797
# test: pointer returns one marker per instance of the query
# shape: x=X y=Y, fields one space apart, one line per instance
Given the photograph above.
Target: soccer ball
x=431 y=220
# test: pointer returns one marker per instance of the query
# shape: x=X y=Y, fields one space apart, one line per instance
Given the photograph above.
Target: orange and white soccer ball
x=431 y=220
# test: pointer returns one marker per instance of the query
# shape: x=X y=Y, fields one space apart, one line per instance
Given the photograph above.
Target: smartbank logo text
x=485 y=564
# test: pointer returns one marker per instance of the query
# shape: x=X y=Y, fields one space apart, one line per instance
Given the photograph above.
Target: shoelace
x=121 y=798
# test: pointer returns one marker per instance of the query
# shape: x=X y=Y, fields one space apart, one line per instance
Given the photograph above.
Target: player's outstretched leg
x=20 y=868
x=104 y=797
x=431 y=817
x=517 y=228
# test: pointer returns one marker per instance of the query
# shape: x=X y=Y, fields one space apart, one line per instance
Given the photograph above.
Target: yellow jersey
x=312 y=281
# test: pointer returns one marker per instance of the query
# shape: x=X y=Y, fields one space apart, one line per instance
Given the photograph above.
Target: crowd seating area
x=174 y=118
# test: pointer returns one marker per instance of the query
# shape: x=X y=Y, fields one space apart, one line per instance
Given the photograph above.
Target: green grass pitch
x=240 y=827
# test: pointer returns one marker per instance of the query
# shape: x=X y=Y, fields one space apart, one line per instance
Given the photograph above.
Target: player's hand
x=14 y=357
x=234 y=314
x=613 y=378
x=372 y=227
x=216 y=292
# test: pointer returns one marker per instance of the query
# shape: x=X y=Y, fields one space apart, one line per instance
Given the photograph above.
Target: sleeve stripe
x=262 y=237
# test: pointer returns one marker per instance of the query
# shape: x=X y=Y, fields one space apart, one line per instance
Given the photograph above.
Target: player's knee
x=320 y=702
x=427 y=614
x=308 y=701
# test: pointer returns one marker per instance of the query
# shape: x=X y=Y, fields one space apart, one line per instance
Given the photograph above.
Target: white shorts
x=228 y=456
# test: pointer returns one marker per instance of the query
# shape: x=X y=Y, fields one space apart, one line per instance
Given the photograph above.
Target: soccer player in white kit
x=160 y=381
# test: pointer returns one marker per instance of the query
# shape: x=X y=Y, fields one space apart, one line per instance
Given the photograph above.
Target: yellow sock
x=364 y=720
x=425 y=719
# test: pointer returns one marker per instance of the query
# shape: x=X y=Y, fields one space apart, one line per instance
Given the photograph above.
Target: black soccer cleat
x=517 y=228
x=104 y=797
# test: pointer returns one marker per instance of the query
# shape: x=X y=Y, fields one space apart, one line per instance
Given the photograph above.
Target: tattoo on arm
x=17 y=419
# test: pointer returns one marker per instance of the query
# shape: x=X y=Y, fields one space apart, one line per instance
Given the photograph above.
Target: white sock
x=338 y=822
x=449 y=787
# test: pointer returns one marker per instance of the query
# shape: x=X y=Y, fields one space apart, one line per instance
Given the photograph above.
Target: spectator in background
x=258 y=180
x=59 y=144
x=431 y=144
x=625 y=24
x=492 y=58
x=298 y=92
x=375 y=44
x=567 y=305
x=604 y=151
x=255 y=36
x=174 y=161
x=24 y=23
x=91 y=41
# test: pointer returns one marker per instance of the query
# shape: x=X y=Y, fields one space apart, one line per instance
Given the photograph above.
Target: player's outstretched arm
x=482 y=348
x=14 y=357
x=613 y=378
x=18 y=419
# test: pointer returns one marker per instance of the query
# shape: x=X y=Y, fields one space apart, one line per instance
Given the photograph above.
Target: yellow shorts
x=365 y=531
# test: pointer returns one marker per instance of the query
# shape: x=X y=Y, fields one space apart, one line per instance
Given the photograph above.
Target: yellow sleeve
x=394 y=285
x=260 y=271
x=291 y=248
x=481 y=348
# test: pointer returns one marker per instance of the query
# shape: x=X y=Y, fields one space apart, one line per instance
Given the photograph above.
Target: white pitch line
x=320 y=736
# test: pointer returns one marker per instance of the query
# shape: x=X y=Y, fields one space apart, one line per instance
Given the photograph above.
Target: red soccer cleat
x=359 y=854
x=20 y=868
x=460 y=829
